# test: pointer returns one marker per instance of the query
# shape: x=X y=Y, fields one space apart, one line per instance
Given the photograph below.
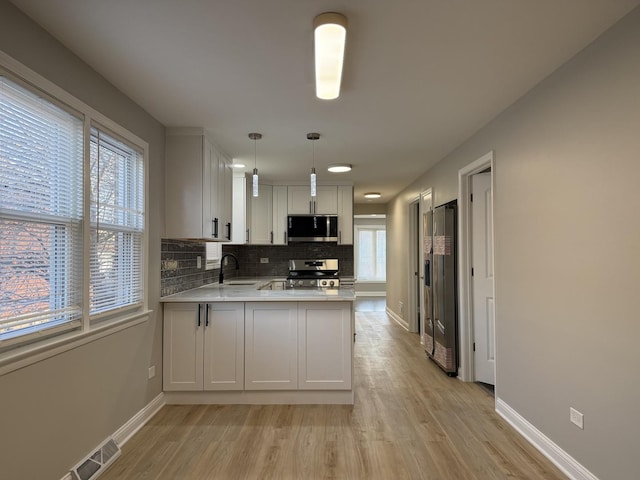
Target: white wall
x=567 y=238
x=53 y=412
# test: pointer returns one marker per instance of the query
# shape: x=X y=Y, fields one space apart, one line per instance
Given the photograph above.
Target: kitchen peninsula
x=245 y=342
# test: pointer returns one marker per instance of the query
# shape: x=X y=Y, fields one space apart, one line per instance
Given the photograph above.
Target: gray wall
x=567 y=234
x=53 y=412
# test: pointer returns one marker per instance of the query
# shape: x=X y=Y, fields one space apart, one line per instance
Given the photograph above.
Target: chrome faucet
x=221 y=276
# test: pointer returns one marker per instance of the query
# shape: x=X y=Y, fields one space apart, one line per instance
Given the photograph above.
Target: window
x=50 y=283
x=371 y=253
x=117 y=224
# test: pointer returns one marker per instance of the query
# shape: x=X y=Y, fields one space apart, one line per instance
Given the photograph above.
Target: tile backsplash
x=179 y=269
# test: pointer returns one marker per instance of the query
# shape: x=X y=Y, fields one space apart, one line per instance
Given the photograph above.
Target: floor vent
x=97 y=462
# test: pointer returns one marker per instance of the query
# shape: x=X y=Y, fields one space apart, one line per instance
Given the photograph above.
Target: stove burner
x=310 y=273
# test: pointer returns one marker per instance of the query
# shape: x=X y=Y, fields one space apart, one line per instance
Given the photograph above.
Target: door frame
x=466 y=371
x=414 y=265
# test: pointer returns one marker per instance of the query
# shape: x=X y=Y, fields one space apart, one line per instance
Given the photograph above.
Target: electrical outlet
x=198 y=261
x=152 y=371
x=576 y=418
x=264 y=260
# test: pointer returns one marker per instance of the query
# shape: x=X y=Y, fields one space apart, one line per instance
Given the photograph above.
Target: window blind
x=117 y=224
x=41 y=165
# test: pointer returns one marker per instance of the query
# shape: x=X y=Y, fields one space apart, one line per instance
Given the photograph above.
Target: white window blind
x=117 y=224
x=41 y=159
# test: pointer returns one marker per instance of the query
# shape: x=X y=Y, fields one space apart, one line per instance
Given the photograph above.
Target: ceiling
x=420 y=76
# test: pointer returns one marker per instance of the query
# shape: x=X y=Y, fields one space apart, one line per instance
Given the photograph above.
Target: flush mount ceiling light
x=330 y=33
x=255 y=137
x=314 y=137
x=238 y=165
x=339 y=167
x=372 y=195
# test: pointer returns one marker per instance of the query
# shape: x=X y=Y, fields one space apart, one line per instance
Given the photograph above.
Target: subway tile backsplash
x=179 y=269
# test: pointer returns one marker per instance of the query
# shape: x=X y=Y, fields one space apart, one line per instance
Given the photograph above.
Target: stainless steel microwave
x=312 y=228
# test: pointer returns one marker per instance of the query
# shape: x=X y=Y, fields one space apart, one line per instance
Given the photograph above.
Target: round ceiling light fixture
x=238 y=165
x=372 y=195
x=339 y=167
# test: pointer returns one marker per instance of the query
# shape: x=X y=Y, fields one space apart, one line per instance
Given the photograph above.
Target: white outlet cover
x=576 y=418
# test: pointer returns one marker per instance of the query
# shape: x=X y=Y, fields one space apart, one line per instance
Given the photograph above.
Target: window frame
x=119 y=319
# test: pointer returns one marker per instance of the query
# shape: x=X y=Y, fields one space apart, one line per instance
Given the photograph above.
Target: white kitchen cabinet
x=300 y=201
x=345 y=215
x=197 y=187
x=271 y=346
x=261 y=216
x=203 y=346
x=240 y=212
x=279 y=211
x=325 y=342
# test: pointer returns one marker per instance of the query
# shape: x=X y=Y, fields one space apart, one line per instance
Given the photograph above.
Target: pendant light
x=314 y=137
x=255 y=137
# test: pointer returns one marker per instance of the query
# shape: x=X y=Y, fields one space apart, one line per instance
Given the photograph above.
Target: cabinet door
x=345 y=215
x=240 y=214
x=325 y=340
x=271 y=346
x=261 y=230
x=224 y=346
x=325 y=203
x=211 y=226
x=279 y=215
x=184 y=172
x=225 y=184
x=182 y=347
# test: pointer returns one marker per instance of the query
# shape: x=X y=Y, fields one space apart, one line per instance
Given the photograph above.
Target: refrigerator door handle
x=427 y=273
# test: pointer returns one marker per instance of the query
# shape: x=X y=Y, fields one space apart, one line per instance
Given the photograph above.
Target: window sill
x=30 y=354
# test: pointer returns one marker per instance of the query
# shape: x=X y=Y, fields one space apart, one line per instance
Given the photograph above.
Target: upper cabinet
x=198 y=187
x=345 y=215
x=301 y=202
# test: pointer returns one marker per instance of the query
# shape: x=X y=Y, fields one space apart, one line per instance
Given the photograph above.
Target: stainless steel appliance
x=440 y=284
x=312 y=228
x=310 y=273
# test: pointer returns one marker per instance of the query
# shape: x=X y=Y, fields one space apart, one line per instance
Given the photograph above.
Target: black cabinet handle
x=271 y=236
x=206 y=315
x=215 y=228
x=199 y=307
x=229 y=231
x=247 y=235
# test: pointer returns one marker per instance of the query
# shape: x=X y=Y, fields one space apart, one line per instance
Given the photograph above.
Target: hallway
x=410 y=421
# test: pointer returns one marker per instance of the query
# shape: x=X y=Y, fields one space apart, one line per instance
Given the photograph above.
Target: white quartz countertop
x=246 y=290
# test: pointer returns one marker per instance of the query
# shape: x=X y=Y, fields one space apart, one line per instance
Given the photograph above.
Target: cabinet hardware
x=199 y=307
x=206 y=314
x=215 y=228
x=229 y=231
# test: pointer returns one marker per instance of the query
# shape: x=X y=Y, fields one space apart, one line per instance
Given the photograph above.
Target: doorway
x=414 y=300
x=477 y=299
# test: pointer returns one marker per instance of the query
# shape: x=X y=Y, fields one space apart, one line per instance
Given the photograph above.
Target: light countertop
x=246 y=290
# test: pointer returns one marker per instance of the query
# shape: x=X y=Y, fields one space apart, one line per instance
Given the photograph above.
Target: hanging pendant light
x=255 y=137
x=314 y=137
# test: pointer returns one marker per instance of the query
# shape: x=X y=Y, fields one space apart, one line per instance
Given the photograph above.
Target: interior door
x=482 y=281
x=426 y=280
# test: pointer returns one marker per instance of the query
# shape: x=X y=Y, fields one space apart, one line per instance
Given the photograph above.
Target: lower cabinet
x=203 y=346
x=325 y=341
x=258 y=346
x=271 y=346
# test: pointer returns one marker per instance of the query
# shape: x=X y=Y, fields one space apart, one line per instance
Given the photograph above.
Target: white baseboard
x=400 y=321
x=135 y=423
x=565 y=462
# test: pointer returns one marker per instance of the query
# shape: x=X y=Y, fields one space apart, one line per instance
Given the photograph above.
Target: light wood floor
x=410 y=421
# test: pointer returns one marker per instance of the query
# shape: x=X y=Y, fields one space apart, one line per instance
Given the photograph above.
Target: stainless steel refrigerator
x=440 y=284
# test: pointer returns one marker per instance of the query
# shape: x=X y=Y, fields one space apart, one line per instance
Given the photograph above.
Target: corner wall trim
x=135 y=423
x=565 y=462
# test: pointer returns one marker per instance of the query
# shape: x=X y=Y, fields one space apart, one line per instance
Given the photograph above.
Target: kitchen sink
x=275 y=285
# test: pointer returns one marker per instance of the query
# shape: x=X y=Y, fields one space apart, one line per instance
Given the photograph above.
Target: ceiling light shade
x=238 y=165
x=372 y=195
x=254 y=182
x=330 y=33
x=339 y=167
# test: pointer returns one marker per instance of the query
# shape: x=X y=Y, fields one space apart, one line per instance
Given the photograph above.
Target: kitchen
x=593 y=94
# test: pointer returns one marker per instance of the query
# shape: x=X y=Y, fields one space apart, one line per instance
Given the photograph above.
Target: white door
x=325 y=340
x=224 y=346
x=271 y=346
x=483 y=308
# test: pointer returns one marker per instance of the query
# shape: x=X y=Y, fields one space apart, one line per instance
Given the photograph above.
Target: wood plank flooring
x=410 y=421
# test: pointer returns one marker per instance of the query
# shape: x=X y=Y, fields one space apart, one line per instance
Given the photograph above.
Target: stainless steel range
x=310 y=273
